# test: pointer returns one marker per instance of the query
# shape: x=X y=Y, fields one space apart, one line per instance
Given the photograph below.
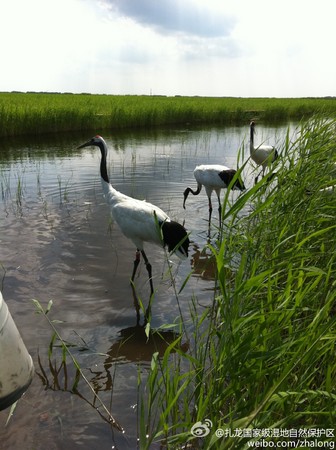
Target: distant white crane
x=214 y=177
x=263 y=155
x=138 y=220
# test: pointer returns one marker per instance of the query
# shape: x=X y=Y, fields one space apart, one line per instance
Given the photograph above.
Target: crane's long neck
x=112 y=196
x=103 y=168
x=252 y=149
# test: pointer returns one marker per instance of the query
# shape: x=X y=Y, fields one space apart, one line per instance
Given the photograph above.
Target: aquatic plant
x=59 y=369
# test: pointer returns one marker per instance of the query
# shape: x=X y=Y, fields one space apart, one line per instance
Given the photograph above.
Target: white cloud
x=175 y=16
x=191 y=47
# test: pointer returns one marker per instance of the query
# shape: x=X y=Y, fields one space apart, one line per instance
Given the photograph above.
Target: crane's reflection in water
x=133 y=348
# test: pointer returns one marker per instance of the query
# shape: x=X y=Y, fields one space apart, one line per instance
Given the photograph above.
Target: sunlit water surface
x=57 y=243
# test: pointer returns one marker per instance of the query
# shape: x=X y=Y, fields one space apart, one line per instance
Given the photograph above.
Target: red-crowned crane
x=138 y=220
x=214 y=177
x=263 y=155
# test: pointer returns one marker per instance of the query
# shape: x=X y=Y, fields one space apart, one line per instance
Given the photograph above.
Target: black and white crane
x=263 y=155
x=214 y=177
x=138 y=220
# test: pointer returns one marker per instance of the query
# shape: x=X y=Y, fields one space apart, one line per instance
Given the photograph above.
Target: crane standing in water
x=213 y=177
x=138 y=220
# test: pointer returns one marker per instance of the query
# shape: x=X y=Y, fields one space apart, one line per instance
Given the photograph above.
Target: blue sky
x=170 y=47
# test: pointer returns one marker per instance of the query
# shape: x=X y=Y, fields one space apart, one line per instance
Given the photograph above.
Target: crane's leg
x=136 y=305
x=271 y=176
x=256 y=178
x=149 y=270
x=136 y=263
x=210 y=209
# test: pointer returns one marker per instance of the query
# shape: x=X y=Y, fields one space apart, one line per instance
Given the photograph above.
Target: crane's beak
x=86 y=144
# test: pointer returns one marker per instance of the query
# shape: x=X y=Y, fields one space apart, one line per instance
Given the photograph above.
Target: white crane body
x=263 y=155
x=209 y=176
x=138 y=220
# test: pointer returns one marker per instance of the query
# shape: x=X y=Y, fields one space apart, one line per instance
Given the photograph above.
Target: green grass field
x=39 y=113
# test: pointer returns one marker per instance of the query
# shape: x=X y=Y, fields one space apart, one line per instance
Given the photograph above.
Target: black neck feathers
x=103 y=168
x=188 y=190
x=252 y=125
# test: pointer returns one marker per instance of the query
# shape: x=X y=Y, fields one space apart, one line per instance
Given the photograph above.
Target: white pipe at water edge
x=16 y=365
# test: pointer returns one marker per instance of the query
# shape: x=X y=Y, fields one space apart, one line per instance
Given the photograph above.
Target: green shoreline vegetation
x=39 y=113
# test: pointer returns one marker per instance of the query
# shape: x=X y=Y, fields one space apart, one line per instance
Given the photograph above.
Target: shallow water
x=57 y=243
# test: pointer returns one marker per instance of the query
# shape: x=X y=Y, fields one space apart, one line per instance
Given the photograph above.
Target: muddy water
x=57 y=243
